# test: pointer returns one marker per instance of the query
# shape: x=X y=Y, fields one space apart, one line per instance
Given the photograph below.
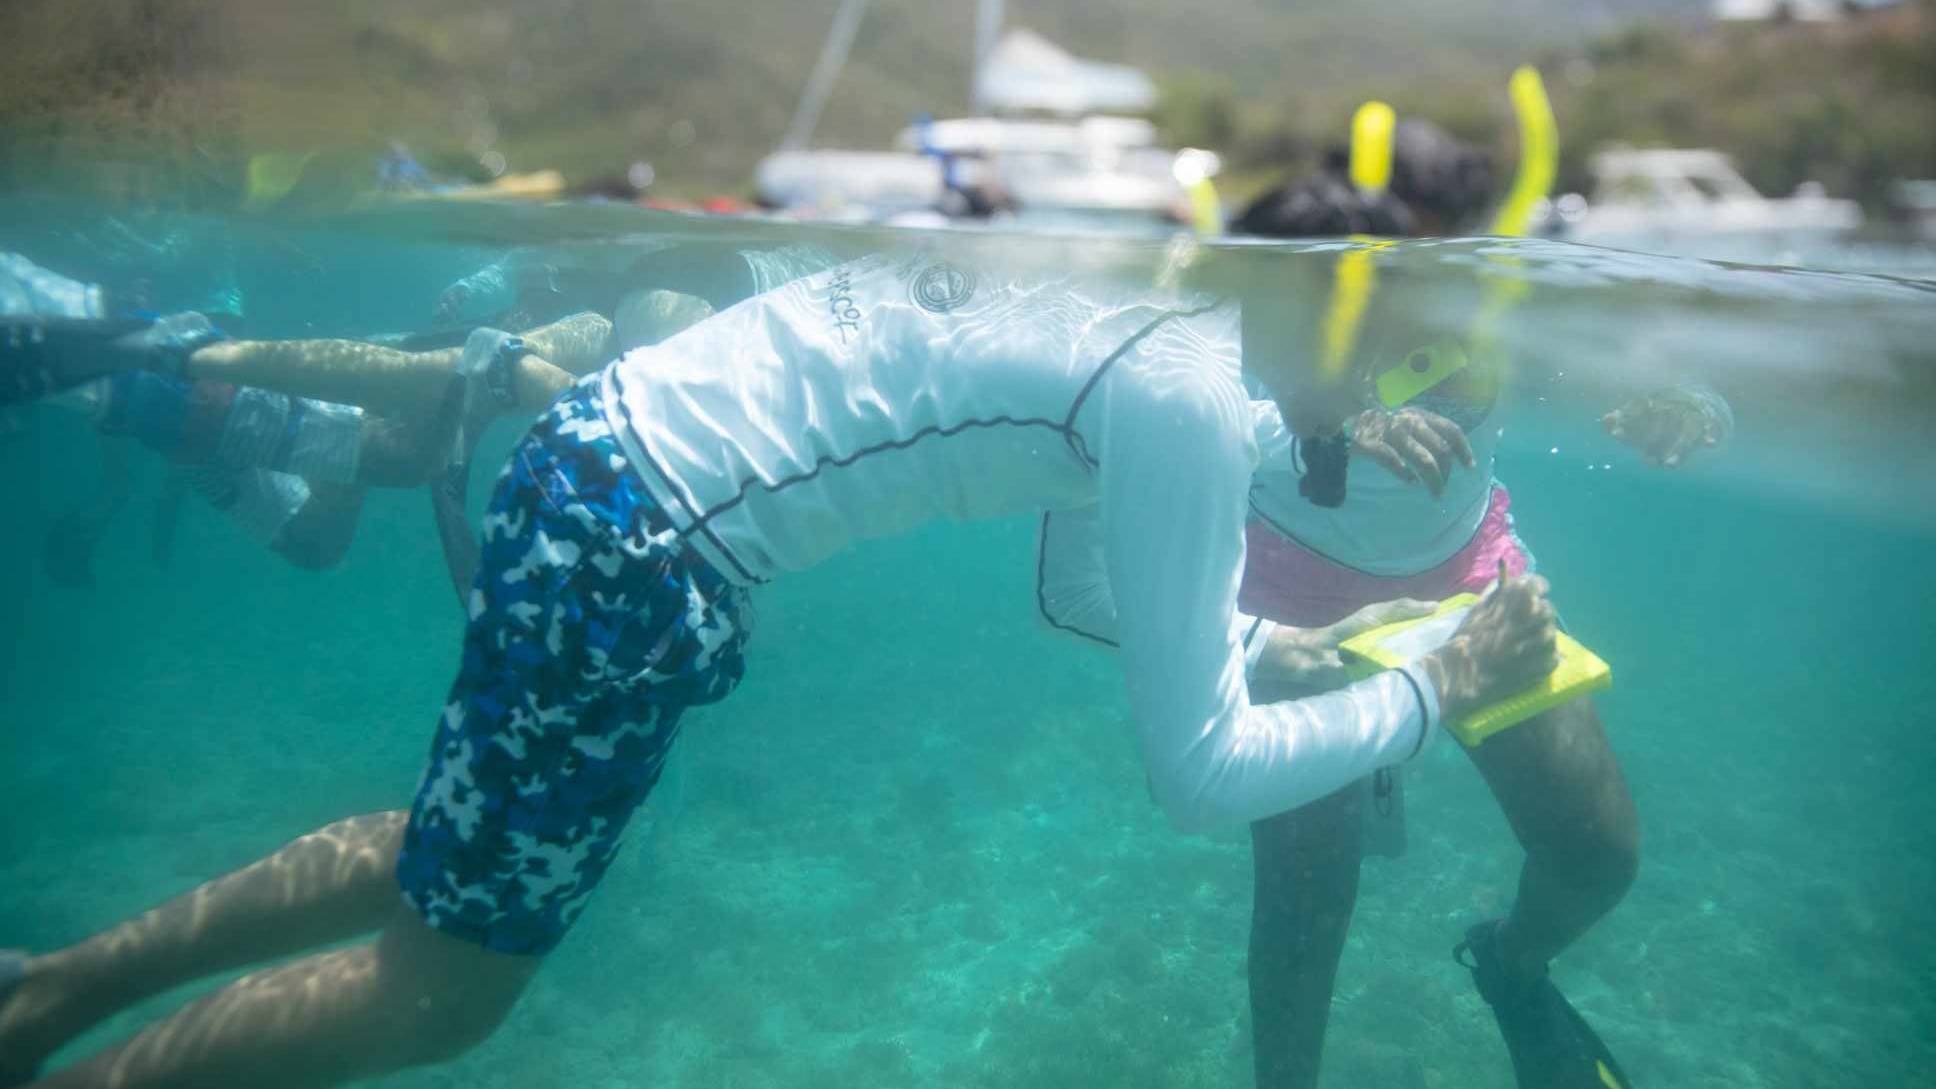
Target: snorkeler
x=579 y=328
x=44 y=355
x=1426 y=520
x=625 y=533
x=162 y=372
x=290 y=471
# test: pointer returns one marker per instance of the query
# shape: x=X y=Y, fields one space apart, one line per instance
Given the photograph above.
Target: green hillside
x=701 y=90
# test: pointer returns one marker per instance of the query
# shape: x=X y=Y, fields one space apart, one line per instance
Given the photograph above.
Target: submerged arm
x=1175 y=471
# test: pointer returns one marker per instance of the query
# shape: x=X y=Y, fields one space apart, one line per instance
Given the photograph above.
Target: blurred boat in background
x=1693 y=201
x=1055 y=140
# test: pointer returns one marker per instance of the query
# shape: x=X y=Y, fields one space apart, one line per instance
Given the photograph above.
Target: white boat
x=872 y=185
x=1051 y=146
x=1096 y=168
x=1696 y=202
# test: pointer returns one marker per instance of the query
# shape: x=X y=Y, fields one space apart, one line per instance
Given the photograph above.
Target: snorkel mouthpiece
x=1324 y=464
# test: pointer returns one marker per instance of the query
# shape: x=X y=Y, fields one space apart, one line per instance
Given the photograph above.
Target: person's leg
x=1560 y=786
x=354 y=373
x=410 y=384
x=318 y=535
x=1306 y=864
x=591 y=631
x=576 y=344
x=403 y=453
x=324 y=887
x=405 y=383
x=411 y=996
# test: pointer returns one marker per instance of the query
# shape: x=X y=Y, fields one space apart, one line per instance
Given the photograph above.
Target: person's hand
x=1415 y=445
x=1505 y=645
x=1306 y=660
x=1667 y=425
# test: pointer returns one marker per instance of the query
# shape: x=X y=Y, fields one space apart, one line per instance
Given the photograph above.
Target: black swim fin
x=40 y=356
x=1552 y=1046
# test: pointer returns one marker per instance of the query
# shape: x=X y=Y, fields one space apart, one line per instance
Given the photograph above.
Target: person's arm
x=1072 y=595
x=1175 y=466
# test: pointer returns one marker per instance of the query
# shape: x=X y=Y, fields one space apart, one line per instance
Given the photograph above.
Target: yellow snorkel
x=1539 y=153
x=1353 y=280
x=1425 y=367
x=271 y=176
x=1193 y=168
x=1371 y=146
x=1356 y=275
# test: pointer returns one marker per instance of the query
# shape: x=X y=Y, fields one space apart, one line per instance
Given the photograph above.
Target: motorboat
x=1693 y=201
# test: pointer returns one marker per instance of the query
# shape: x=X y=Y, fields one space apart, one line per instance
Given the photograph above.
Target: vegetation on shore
x=144 y=97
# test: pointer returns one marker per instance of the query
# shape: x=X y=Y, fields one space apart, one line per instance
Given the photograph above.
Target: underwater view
x=592 y=544
x=917 y=845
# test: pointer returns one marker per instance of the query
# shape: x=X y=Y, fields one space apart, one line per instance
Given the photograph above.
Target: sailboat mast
x=988 y=27
x=833 y=55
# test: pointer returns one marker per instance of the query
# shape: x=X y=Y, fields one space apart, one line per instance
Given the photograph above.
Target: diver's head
x=1443 y=181
x=1330 y=334
x=1316 y=409
x=1324 y=206
x=1437 y=185
x=1282 y=355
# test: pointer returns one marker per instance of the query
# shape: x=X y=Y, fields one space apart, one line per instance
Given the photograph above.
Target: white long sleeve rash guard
x=876 y=396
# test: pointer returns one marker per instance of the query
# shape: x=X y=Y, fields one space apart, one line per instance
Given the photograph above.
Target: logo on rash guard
x=840 y=304
x=941 y=288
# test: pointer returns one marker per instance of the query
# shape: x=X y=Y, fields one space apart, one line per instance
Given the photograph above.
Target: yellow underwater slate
x=1580 y=670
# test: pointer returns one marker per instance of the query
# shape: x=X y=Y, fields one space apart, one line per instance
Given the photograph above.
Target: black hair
x=1437 y=174
x=1325 y=205
x=1436 y=178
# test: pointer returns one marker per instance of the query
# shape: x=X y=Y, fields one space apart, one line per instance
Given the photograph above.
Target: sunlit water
x=915 y=848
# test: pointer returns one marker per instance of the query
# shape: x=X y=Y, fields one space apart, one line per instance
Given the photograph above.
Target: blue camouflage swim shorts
x=592 y=628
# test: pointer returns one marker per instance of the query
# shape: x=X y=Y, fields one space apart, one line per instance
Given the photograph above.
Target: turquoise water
x=915 y=847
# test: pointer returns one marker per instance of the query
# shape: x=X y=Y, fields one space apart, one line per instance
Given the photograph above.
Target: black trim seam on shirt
x=1424 y=711
x=1042 y=599
x=1069 y=433
x=1066 y=430
x=1278 y=528
x=845 y=460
